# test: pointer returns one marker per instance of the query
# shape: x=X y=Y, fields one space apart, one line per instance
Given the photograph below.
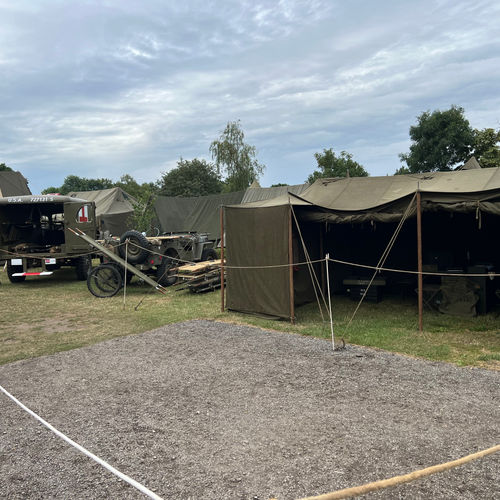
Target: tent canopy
x=255 y=235
x=113 y=208
x=201 y=214
x=13 y=184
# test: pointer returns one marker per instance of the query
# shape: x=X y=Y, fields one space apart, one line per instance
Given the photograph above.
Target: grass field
x=45 y=315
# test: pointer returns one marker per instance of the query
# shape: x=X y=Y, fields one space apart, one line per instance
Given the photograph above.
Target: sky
x=100 y=88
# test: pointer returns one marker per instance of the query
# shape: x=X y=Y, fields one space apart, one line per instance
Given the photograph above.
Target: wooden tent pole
x=419 y=258
x=222 y=259
x=290 y=266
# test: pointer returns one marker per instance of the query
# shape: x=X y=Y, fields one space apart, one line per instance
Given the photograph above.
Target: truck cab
x=36 y=233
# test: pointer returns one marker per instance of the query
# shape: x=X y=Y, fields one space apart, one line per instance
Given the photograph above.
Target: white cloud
x=130 y=87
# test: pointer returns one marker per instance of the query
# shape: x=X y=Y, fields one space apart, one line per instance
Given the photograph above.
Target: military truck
x=36 y=236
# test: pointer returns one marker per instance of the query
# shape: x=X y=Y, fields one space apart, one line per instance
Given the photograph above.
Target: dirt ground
x=217 y=411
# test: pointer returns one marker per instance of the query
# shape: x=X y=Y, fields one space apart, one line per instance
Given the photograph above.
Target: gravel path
x=214 y=411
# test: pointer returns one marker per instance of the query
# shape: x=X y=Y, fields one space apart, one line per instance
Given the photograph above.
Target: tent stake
x=222 y=259
x=419 y=264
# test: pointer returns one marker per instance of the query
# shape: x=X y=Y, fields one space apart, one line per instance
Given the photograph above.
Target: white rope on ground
x=114 y=471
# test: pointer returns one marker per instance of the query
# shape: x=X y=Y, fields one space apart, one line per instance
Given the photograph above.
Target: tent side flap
x=256 y=238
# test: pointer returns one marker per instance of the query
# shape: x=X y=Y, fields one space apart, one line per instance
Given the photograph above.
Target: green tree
x=4 y=168
x=190 y=178
x=235 y=158
x=486 y=147
x=134 y=189
x=75 y=183
x=330 y=165
x=440 y=141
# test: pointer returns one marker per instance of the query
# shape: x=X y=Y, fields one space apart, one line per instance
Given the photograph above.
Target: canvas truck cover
x=12 y=184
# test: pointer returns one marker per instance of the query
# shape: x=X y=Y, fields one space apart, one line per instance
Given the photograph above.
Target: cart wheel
x=104 y=280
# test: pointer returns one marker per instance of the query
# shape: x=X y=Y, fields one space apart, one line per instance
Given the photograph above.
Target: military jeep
x=36 y=236
x=160 y=255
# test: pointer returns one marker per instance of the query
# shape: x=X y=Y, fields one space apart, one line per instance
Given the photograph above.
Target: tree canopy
x=330 y=165
x=486 y=147
x=235 y=158
x=4 y=168
x=75 y=183
x=190 y=178
x=441 y=140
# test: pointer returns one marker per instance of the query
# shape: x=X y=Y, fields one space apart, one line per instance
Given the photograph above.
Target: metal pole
x=125 y=274
x=327 y=259
x=290 y=266
x=222 y=259
x=322 y=252
x=419 y=263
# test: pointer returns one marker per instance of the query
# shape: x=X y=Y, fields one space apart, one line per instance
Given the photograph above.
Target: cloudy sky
x=99 y=88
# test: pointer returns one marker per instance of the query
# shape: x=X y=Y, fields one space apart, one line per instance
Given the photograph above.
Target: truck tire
x=137 y=251
x=12 y=270
x=209 y=254
x=82 y=267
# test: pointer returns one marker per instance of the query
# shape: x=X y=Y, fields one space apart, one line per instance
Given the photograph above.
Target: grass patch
x=45 y=315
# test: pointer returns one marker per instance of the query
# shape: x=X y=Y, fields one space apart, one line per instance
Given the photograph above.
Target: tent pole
x=419 y=257
x=322 y=252
x=222 y=259
x=290 y=266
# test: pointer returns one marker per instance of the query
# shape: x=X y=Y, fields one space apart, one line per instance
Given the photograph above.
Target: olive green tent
x=13 y=184
x=197 y=214
x=353 y=219
x=114 y=208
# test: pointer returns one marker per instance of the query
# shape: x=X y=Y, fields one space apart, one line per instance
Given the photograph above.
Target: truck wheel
x=12 y=270
x=82 y=266
x=137 y=250
x=104 y=281
x=164 y=275
x=209 y=254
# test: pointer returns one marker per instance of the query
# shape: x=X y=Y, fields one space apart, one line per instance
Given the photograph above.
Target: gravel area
x=218 y=411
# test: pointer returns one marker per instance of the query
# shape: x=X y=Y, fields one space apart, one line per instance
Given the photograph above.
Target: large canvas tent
x=13 y=184
x=202 y=213
x=198 y=214
x=114 y=208
x=353 y=219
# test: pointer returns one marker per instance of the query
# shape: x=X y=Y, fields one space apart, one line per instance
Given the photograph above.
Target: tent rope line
x=383 y=257
x=406 y=478
x=312 y=273
x=344 y=262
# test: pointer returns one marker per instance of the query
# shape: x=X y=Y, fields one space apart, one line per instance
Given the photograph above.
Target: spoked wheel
x=104 y=280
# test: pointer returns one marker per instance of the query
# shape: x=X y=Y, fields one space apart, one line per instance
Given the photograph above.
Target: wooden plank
x=199 y=267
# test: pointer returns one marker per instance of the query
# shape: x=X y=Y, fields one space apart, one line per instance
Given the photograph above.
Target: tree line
x=440 y=141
